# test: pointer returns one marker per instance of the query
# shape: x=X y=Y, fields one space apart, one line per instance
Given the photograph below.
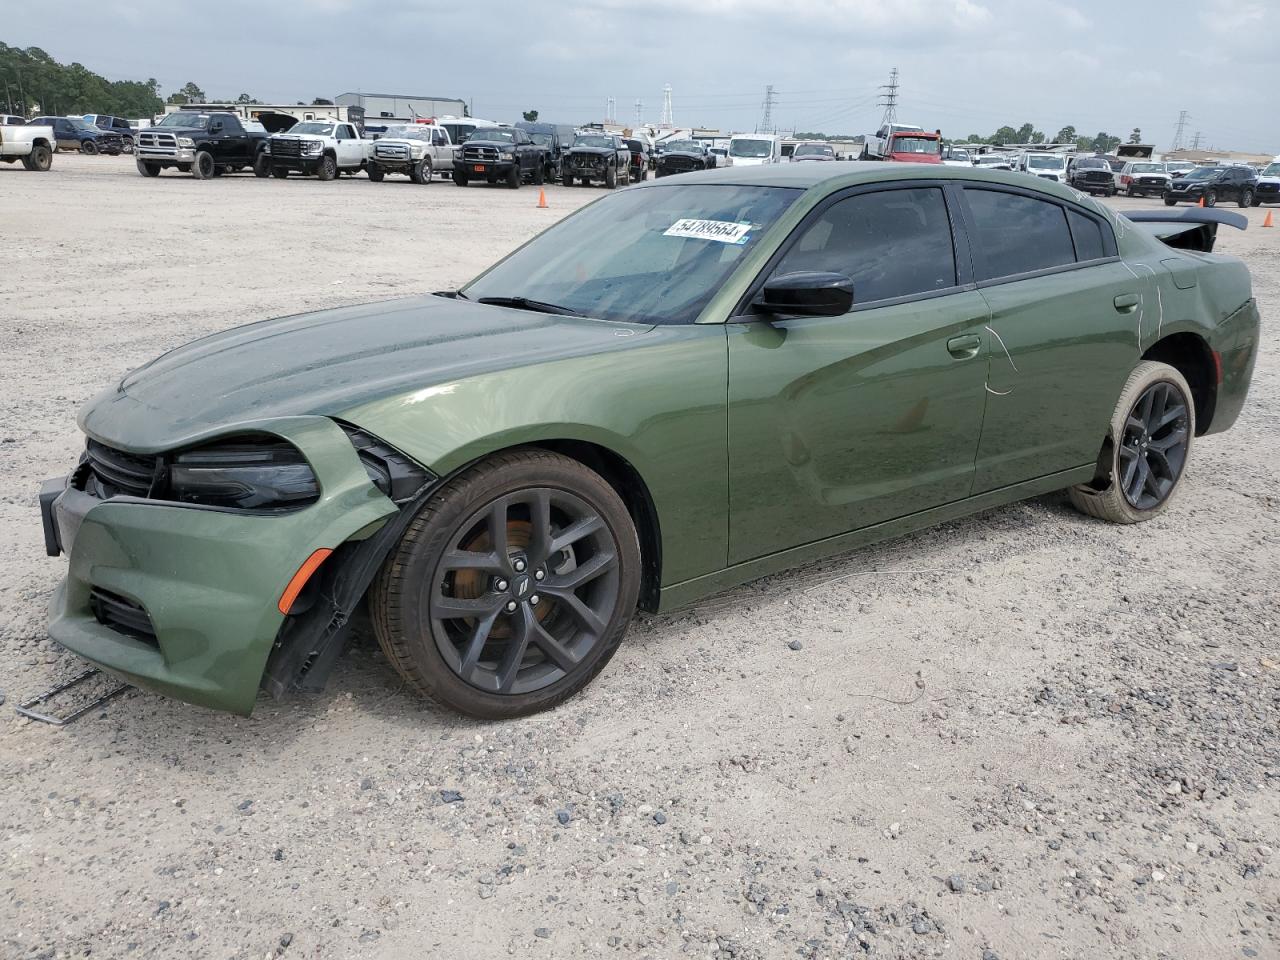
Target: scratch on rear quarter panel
x=1008 y=355
x=1142 y=303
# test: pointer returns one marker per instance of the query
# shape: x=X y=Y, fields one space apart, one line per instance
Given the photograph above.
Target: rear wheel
x=512 y=587
x=89 y=148
x=1150 y=441
x=203 y=166
x=40 y=158
x=148 y=168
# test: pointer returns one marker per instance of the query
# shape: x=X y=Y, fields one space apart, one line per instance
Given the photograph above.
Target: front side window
x=892 y=243
x=1017 y=234
x=656 y=255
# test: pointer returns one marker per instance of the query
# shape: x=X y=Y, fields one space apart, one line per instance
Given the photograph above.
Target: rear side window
x=893 y=243
x=1017 y=234
x=1087 y=233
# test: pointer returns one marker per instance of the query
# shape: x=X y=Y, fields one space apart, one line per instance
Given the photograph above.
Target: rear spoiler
x=1193 y=228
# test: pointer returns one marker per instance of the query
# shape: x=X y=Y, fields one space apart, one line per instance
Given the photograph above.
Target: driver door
x=838 y=423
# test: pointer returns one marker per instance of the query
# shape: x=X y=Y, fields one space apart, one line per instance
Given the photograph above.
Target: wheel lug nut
x=511 y=606
x=534 y=599
x=539 y=575
x=502 y=585
x=519 y=566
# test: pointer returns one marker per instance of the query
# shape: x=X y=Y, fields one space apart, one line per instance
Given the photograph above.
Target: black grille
x=1094 y=176
x=680 y=164
x=110 y=472
x=480 y=154
x=1269 y=188
x=1152 y=181
x=286 y=148
x=121 y=615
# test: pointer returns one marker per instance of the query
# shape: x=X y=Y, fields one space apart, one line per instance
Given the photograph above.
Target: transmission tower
x=889 y=99
x=667 y=120
x=639 y=113
x=1195 y=141
x=1183 y=117
x=611 y=110
x=766 y=119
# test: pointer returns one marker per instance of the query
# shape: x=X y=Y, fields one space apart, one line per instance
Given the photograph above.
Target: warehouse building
x=391 y=106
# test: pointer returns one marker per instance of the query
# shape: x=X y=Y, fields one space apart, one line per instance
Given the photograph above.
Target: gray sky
x=967 y=66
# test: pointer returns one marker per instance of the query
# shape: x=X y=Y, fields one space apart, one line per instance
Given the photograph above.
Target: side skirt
x=679 y=594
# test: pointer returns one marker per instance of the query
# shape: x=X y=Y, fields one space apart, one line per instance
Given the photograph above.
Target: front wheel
x=459 y=178
x=148 y=168
x=1211 y=198
x=567 y=179
x=1246 y=198
x=203 y=167
x=512 y=587
x=262 y=165
x=328 y=169
x=89 y=148
x=513 y=176
x=611 y=178
x=1169 y=202
x=1147 y=450
x=375 y=172
x=539 y=176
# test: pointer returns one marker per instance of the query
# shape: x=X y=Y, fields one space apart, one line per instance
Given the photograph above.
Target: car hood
x=682 y=153
x=327 y=362
x=595 y=151
x=177 y=131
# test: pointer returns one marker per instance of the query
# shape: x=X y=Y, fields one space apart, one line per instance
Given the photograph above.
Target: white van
x=753 y=149
x=460 y=129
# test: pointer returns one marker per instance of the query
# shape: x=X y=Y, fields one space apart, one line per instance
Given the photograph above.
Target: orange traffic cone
x=1267 y=222
x=1202 y=201
x=542 y=199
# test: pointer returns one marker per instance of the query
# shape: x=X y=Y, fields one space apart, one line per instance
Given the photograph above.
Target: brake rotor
x=472 y=584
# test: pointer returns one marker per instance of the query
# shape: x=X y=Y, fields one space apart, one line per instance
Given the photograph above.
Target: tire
x=203 y=166
x=459 y=178
x=221 y=171
x=1246 y=197
x=1170 y=202
x=513 y=176
x=611 y=178
x=328 y=168
x=127 y=145
x=262 y=166
x=427 y=633
x=39 y=159
x=375 y=173
x=88 y=148
x=421 y=172
x=148 y=168
x=280 y=173
x=1211 y=198
x=567 y=179
x=1131 y=441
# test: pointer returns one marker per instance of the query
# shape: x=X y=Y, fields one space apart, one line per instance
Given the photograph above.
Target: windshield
x=313 y=127
x=913 y=145
x=541 y=139
x=195 y=121
x=813 y=150
x=590 y=141
x=1148 y=168
x=1045 y=163
x=756 y=149
x=494 y=134
x=643 y=256
x=1204 y=173
x=1271 y=170
x=1092 y=163
x=682 y=146
x=959 y=154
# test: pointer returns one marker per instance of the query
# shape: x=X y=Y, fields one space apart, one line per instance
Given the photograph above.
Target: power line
x=889 y=99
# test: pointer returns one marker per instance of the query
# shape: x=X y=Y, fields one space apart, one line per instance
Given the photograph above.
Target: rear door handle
x=1125 y=302
x=962 y=348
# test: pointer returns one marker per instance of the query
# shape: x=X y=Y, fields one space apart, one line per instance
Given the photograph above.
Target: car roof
x=850 y=173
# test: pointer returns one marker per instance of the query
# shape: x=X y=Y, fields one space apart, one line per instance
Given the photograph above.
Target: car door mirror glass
x=807 y=293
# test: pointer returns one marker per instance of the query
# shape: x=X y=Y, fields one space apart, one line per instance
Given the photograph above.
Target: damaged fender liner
x=309 y=643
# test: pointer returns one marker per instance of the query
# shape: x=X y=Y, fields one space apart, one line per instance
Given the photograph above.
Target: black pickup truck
x=499 y=153
x=597 y=156
x=202 y=144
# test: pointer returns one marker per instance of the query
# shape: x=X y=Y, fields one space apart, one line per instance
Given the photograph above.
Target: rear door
x=1062 y=337
x=837 y=423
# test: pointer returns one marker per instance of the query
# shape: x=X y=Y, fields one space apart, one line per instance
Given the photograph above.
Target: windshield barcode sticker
x=722 y=231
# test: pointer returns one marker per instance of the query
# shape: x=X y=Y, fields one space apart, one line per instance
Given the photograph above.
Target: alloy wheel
x=524 y=591
x=1153 y=450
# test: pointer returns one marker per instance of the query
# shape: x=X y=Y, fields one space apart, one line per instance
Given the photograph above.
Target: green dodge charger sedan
x=680 y=387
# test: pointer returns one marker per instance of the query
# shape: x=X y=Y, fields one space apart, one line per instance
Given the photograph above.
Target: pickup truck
x=1268 y=184
x=903 y=143
x=417 y=150
x=32 y=144
x=597 y=156
x=202 y=144
x=499 y=153
x=323 y=148
x=72 y=133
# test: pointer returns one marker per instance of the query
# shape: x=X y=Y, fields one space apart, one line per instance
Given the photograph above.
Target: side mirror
x=807 y=293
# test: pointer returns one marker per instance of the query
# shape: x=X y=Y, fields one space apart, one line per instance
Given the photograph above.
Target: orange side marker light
x=309 y=566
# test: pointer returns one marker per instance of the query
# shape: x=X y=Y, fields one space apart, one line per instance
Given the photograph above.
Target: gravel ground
x=1024 y=734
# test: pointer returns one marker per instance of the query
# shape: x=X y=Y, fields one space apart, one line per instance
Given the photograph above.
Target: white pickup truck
x=418 y=150
x=321 y=148
x=31 y=143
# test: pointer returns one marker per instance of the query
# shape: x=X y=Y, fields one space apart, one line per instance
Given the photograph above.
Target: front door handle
x=1126 y=302
x=962 y=348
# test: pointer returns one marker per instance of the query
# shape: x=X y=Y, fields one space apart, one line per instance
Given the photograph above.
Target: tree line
x=1027 y=133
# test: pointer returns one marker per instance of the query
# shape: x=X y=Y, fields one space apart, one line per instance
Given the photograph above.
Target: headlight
x=186 y=142
x=266 y=147
x=249 y=473
x=312 y=146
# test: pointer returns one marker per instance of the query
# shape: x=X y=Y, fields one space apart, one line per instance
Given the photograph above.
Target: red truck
x=903 y=143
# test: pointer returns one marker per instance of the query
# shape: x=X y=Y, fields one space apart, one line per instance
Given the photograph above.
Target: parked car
x=602 y=157
x=683 y=156
x=1047 y=166
x=994 y=161
x=325 y=149
x=814 y=151
x=204 y=144
x=1211 y=184
x=1140 y=177
x=957 y=156
x=1092 y=175
x=417 y=150
x=503 y=473
x=639 y=150
x=1268 y=190
x=72 y=133
x=754 y=149
x=555 y=139
x=31 y=143
x=500 y=153
x=114 y=125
